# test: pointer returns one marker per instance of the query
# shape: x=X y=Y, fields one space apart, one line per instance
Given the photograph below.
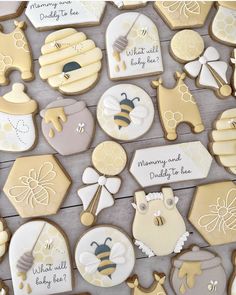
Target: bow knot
x=102 y=180
x=203 y=60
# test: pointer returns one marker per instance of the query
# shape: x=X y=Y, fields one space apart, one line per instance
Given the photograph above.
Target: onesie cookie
x=15 y=54
x=232 y=283
x=127 y=4
x=65 y=121
x=46 y=15
x=37 y=185
x=156 y=215
x=125 y=112
x=177 y=105
x=223 y=26
x=70 y=62
x=183 y=14
x=11 y=9
x=109 y=159
x=197 y=271
x=104 y=256
x=156 y=287
x=40 y=261
x=4 y=239
x=213 y=212
x=133 y=47
x=223 y=138
x=3 y=288
x=17 y=120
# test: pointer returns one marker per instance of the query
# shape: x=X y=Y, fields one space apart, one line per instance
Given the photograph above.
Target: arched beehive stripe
x=85 y=83
x=60 y=34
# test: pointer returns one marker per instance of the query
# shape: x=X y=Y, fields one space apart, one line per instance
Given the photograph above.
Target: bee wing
x=111 y=105
x=117 y=253
x=90 y=261
x=19 y=192
x=209 y=221
x=137 y=114
x=46 y=172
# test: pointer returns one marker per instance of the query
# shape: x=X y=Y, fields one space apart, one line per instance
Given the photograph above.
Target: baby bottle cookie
x=65 y=121
x=4 y=239
x=40 y=261
x=109 y=159
x=15 y=54
x=17 y=123
x=156 y=215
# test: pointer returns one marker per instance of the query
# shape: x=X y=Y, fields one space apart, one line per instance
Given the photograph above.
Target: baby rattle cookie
x=155 y=288
x=177 y=105
x=197 y=271
x=17 y=115
x=40 y=260
x=11 y=9
x=125 y=112
x=109 y=159
x=127 y=4
x=104 y=256
x=70 y=62
x=37 y=185
x=15 y=54
x=4 y=239
x=4 y=290
x=156 y=215
x=65 y=121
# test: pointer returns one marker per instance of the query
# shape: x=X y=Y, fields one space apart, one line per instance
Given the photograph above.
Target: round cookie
x=104 y=256
x=125 y=112
x=186 y=45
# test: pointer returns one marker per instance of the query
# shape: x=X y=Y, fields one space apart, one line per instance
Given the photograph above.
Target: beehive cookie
x=70 y=62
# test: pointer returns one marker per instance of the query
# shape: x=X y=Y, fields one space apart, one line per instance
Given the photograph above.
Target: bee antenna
x=107 y=239
x=94 y=243
x=135 y=98
x=124 y=94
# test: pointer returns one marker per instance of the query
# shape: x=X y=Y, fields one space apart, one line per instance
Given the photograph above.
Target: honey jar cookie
x=70 y=62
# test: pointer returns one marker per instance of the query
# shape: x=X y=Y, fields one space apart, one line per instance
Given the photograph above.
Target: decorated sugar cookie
x=177 y=105
x=65 y=121
x=232 y=284
x=213 y=212
x=3 y=288
x=155 y=288
x=109 y=159
x=37 y=185
x=183 y=14
x=104 y=256
x=127 y=4
x=133 y=47
x=197 y=271
x=17 y=123
x=40 y=260
x=223 y=138
x=156 y=215
x=224 y=23
x=15 y=54
x=125 y=112
x=11 y=9
x=4 y=239
x=70 y=62
x=233 y=61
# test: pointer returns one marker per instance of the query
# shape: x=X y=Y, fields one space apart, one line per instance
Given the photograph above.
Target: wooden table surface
x=121 y=214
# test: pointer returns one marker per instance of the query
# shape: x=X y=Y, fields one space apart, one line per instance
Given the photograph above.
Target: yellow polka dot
x=7 y=127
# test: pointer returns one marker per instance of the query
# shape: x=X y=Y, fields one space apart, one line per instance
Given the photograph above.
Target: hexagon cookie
x=213 y=212
x=37 y=185
x=11 y=9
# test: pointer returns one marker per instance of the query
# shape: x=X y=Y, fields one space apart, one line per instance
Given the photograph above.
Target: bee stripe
x=103 y=255
x=126 y=107
x=122 y=118
x=106 y=267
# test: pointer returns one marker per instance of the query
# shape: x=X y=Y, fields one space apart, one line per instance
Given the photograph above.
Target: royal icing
x=177 y=105
x=10 y=9
x=70 y=62
x=233 y=61
x=156 y=215
x=213 y=212
x=15 y=54
x=36 y=185
x=104 y=256
x=125 y=112
x=170 y=163
x=133 y=47
x=127 y=4
x=65 y=121
x=40 y=260
x=232 y=286
x=4 y=238
x=45 y=15
x=109 y=159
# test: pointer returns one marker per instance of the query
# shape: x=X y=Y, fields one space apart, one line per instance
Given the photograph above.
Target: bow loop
x=90 y=176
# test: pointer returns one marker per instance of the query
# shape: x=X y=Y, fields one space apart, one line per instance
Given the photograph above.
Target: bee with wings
x=125 y=111
x=105 y=258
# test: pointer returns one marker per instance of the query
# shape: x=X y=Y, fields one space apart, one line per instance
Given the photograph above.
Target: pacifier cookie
x=40 y=260
x=125 y=112
x=104 y=256
x=17 y=120
x=11 y=9
x=65 y=121
x=109 y=159
x=4 y=239
x=70 y=62
x=37 y=185
x=15 y=54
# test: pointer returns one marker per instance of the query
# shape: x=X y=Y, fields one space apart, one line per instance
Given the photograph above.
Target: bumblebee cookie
x=125 y=112
x=133 y=47
x=4 y=239
x=65 y=121
x=3 y=288
x=40 y=261
x=70 y=62
x=15 y=54
x=11 y=9
x=37 y=185
x=104 y=256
